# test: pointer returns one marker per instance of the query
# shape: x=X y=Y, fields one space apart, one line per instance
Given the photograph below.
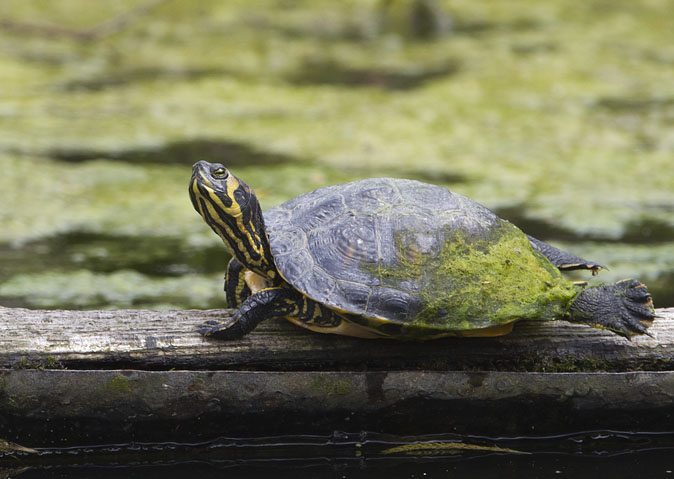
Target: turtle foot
x=626 y=308
x=563 y=260
x=221 y=329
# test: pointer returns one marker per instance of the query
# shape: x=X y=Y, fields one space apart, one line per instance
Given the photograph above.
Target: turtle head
x=230 y=208
x=213 y=184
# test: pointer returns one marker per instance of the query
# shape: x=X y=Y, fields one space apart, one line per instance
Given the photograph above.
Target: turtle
x=396 y=258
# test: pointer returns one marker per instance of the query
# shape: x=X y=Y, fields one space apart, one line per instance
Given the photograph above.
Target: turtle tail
x=626 y=308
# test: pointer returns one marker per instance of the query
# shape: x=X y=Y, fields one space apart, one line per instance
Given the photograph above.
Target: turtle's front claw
x=221 y=329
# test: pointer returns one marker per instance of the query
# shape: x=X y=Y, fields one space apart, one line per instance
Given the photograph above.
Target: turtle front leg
x=236 y=288
x=265 y=304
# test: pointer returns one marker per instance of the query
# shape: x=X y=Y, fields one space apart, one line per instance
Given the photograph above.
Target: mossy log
x=87 y=377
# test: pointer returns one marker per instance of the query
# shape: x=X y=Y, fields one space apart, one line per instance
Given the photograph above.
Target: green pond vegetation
x=558 y=115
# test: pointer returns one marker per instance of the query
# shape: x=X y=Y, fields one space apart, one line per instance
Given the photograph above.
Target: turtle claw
x=563 y=260
x=221 y=329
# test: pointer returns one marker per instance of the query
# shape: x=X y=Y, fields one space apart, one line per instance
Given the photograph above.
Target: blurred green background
x=558 y=115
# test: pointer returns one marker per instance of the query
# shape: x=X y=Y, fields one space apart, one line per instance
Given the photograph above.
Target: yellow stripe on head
x=230 y=208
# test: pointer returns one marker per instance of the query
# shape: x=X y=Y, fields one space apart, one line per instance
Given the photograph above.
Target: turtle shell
x=404 y=252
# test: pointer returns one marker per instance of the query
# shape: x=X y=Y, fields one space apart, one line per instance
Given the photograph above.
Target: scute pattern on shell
x=328 y=243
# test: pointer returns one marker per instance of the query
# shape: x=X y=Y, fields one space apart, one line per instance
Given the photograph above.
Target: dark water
x=607 y=454
x=652 y=464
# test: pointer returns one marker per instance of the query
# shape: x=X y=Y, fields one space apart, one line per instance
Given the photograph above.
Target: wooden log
x=121 y=376
x=162 y=340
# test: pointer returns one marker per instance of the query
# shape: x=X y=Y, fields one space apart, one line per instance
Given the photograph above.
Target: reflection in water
x=355 y=455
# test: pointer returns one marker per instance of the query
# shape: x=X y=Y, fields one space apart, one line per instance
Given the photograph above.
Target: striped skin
x=231 y=210
x=236 y=286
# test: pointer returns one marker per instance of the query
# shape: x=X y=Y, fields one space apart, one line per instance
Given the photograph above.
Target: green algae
x=330 y=386
x=49 y=363
x=445 y=448
x=477 y=281
x=543 y=123
x=118 y=385
x=154 y=256
x=82 y=289
x=533 y=103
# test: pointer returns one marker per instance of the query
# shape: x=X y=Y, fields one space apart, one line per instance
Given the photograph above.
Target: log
x=92 y=377
x=163 y=340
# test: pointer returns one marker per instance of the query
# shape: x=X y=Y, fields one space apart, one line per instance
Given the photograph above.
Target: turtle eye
x=220 y=172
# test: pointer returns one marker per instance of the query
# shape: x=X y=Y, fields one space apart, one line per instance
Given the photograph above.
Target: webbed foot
x=626 y=308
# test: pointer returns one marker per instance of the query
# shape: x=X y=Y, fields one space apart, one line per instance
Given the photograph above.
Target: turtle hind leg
x=626 y=308
x=563 y=260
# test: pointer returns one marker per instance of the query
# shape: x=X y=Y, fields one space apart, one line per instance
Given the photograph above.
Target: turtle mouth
x=201 y=175
x=200 y=179
x=201 y=169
